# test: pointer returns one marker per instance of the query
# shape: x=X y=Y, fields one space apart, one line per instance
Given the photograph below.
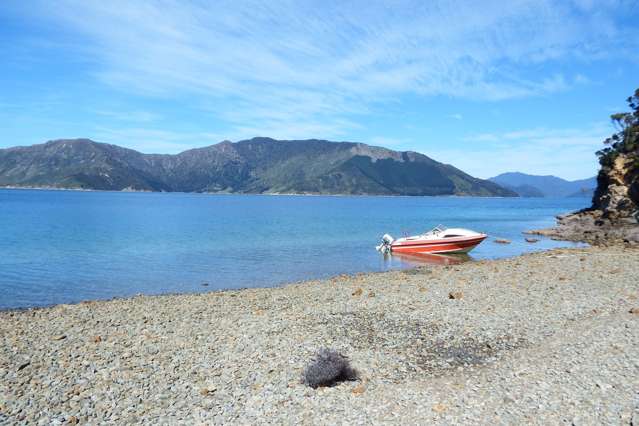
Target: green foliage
x=626 y=139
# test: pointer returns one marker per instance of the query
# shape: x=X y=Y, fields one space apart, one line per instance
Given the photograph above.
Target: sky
x=487 y=86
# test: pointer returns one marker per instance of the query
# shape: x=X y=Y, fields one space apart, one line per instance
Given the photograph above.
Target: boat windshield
x=436 y=230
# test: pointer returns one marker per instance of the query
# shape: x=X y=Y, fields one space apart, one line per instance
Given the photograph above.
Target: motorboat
x=438 y=240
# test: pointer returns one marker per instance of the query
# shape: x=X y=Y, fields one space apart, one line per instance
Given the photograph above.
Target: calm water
x=62 y=246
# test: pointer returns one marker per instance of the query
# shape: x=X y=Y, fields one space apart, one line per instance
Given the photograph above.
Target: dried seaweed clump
x=328 y=368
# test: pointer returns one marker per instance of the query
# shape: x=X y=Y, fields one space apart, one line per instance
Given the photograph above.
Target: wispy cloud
x=564 y=152
x=129 y=115
x=264 y=66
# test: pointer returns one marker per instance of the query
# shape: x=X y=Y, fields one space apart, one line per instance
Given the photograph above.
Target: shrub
x=328 y=368
x=626 y=140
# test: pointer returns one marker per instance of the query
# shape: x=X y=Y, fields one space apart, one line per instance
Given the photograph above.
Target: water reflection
x=411 y=260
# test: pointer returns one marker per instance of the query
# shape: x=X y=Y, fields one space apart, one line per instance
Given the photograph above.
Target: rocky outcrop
x=617 y=193
x=614 y=215
x=591 y=227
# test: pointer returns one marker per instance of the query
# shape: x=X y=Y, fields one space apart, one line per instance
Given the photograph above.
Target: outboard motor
x=385 y=246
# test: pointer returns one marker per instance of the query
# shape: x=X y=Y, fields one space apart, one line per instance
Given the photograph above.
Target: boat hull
x=461 y=245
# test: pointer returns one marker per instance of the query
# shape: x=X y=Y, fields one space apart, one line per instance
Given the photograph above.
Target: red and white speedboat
x=438 y=240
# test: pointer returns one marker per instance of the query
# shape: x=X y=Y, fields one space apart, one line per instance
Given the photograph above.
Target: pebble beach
x=544 y=338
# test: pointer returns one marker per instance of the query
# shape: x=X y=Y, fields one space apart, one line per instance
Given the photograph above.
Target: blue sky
x=488 y=86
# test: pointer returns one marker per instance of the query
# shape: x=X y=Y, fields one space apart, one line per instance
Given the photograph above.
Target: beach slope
x=544 y=338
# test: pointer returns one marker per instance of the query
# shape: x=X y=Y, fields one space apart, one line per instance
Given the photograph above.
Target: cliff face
x=617 y=193
x=614 y=215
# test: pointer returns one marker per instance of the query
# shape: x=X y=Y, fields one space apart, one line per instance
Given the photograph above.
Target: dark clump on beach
x=328 y=368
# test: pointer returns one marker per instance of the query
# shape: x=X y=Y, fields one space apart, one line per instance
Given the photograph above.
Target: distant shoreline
x=291 y=194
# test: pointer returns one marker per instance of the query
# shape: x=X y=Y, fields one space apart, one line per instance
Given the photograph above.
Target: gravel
x=544 y=338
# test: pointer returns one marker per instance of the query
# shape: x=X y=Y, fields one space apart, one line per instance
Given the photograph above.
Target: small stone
x=97 y=339
x=439 y=408
x=423 y=289
x=632 y=236
x=204 y=391
x=24 y=365
x=205 y=284
x=532 y=240
x=634 y=311
x=371 y=294
x=73 y=420
x=358 y=390
x=455 y=295
x=358 y=292
x=59 y=337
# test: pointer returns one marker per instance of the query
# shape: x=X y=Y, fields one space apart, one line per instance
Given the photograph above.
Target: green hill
x=258 y=165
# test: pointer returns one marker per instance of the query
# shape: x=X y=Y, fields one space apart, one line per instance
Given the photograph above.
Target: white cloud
x=267 y=66
x=129 y=115
x=568 y=153
x=582 y=79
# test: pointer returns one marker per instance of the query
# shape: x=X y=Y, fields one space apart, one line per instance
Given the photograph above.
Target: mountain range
x=545 y=186
x=258 y=165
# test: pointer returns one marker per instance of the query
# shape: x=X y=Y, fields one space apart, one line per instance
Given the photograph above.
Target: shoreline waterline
x=309 y=281
x=281 y=194
x=67 y=246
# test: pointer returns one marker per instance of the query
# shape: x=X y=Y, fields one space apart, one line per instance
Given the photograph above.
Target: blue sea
x=68 y=246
